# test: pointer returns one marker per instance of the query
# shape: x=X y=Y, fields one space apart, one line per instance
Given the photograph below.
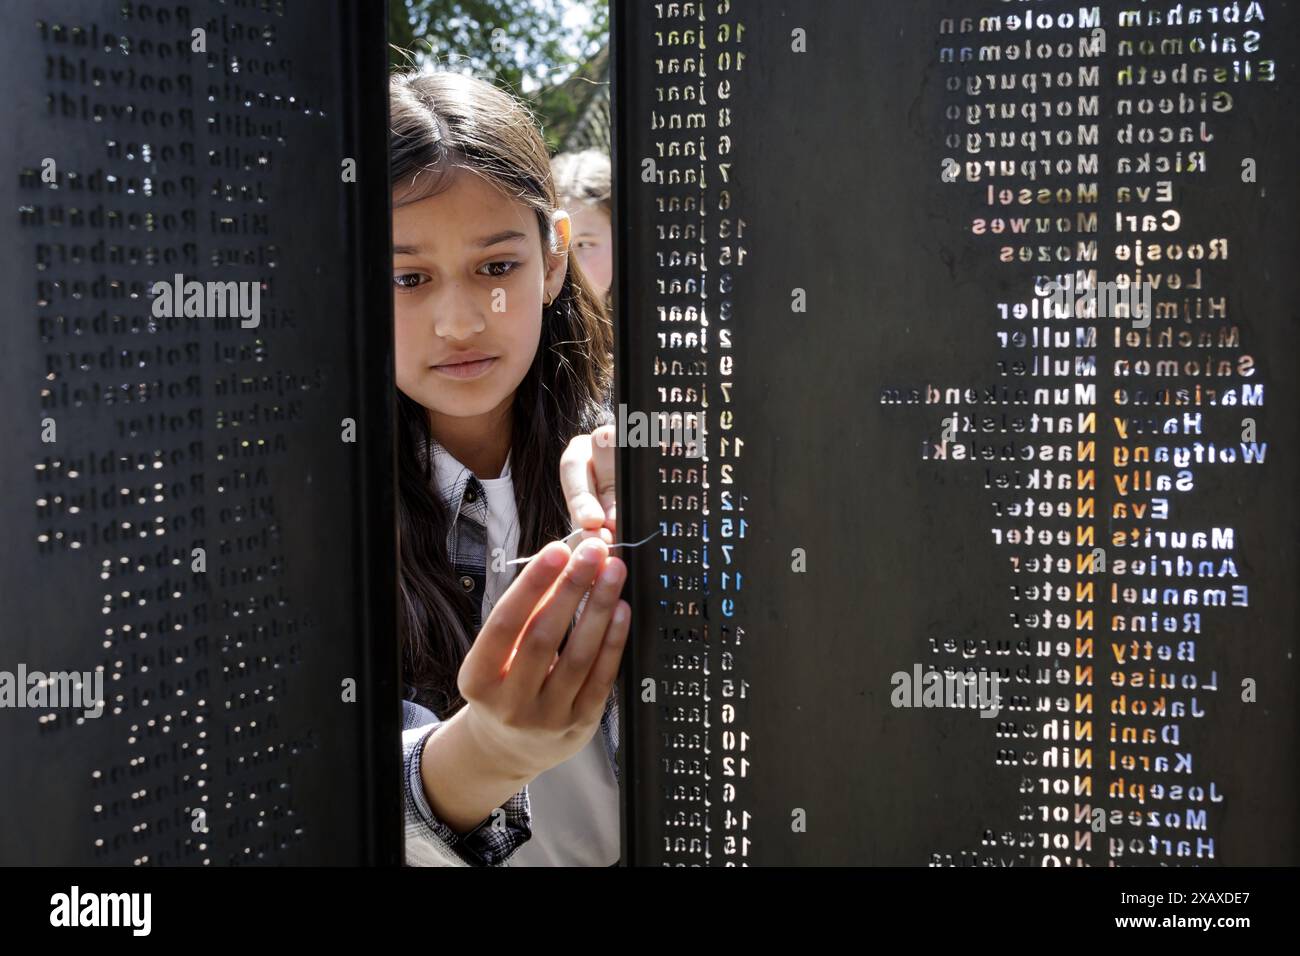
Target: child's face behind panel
x=592 y=245
x=470 y=276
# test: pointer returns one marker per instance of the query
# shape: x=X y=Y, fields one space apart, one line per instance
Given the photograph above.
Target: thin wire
x=566 y=539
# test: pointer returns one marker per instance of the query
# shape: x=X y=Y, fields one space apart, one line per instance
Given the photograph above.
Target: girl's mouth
x=466 y=370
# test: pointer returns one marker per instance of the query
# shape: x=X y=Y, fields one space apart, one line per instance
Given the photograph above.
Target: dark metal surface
x=225 y=688
x=835 y=168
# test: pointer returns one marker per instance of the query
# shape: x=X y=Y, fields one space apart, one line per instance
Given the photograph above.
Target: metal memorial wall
x=197 y=663
x=957 y=383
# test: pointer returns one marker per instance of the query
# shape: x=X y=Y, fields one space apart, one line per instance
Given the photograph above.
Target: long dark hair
x=441 y=122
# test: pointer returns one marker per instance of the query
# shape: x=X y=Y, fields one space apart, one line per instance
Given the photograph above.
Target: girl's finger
x=602 y=470
x=497 y=638
x=602 y=533
x=583 y=646
x=590 y=701
x=575 y=479
x=545 y=629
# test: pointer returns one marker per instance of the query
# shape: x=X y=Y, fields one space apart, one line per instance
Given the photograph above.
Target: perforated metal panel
x=197 y=500
x=836 y=227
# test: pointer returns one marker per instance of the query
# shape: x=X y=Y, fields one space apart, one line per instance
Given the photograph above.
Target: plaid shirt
x=430 y=841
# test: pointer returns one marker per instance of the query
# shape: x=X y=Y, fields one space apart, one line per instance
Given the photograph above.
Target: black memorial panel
x=195 y=416
x=984 y=317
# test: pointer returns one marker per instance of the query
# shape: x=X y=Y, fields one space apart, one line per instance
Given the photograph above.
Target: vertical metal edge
x=365 y=58
x=624 y=486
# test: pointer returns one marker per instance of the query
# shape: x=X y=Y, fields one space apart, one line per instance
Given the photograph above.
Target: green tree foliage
x=523 y=46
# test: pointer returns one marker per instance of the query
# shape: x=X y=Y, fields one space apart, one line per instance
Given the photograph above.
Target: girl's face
x=592 y=246
x=469 y=276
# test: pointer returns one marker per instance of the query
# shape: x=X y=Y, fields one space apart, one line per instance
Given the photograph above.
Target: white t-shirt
x=502 y=532
x=575 y=804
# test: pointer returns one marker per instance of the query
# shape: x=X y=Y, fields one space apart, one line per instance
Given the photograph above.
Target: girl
x=502 y=360
x=582 y=183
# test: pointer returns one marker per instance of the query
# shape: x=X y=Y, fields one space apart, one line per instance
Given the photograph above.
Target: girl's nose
x=457 y=313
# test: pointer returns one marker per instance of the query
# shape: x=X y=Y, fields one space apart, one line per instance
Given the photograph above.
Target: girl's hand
x=587 y=477
x=531 y=707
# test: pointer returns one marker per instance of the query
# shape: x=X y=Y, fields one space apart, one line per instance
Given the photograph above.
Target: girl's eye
x=498 y=269
x=408 y=280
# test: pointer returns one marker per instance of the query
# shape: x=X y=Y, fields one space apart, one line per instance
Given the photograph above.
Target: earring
x=547 y=303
